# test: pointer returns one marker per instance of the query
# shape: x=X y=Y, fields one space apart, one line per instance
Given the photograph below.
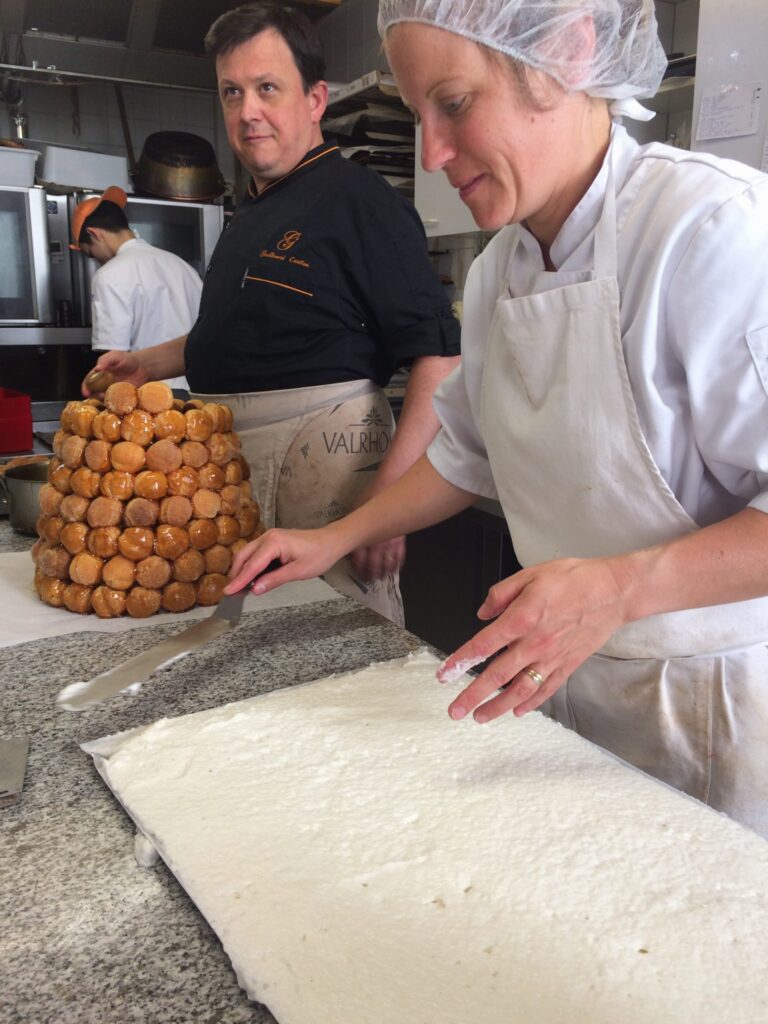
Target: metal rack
x=375 y=87
x=379 y=88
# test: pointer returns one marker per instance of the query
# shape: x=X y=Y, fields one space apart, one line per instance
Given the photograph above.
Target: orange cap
x=114 y=194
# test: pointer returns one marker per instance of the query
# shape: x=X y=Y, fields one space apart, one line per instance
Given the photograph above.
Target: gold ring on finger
x=537 y=677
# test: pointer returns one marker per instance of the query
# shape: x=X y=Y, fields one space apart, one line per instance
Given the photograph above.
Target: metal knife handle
x=230 y=607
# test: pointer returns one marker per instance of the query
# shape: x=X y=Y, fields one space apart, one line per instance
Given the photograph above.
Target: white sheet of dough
x=366 y=860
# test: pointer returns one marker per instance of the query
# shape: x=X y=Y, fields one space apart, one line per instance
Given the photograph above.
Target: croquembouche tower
x=147 y=500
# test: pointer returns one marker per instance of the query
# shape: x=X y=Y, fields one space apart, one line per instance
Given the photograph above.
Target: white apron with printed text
x=312 y=452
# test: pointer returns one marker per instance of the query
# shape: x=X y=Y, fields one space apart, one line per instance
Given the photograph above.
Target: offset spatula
x=225 y=616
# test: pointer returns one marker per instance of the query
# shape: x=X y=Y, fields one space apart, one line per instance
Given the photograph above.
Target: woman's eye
x=229 y=91
x=454 y=106
x=268 y=87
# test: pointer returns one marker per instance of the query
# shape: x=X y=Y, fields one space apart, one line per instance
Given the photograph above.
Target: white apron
x=312 y=451
x=684 y=695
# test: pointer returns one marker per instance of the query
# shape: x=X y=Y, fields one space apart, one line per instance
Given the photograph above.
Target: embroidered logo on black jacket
x=289 y=239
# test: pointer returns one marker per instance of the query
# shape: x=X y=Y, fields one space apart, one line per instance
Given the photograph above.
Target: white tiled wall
x=50 y=111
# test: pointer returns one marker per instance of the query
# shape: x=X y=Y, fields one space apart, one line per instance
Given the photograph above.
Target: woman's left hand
x=549 y=619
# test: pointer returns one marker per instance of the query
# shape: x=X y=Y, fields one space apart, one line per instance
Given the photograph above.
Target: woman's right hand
x=121 y=365
x=304 y=554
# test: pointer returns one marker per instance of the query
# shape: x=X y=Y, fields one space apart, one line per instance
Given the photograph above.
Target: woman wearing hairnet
x=613 y=394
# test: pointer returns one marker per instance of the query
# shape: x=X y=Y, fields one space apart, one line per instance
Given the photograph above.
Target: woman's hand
x=548 y=619
x=303 y=554
x=122 y=366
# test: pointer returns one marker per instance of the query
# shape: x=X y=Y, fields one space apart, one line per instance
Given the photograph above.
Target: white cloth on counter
x=24 y=617
x=694 y=322
x=142 y=297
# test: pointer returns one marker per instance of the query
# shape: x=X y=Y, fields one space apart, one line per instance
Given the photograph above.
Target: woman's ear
x=572 y=51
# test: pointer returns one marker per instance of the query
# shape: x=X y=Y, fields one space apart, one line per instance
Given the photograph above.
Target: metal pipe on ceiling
x=126 y=127
x=36 y=75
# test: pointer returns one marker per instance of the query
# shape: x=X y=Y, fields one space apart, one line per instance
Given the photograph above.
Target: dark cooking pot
x=178 y=165
x=22 y=486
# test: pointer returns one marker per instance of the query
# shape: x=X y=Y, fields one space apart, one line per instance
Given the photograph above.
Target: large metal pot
x=22 y=485
x=178 y=165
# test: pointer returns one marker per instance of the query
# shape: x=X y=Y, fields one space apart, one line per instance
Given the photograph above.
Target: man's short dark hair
x=107 y=216
x=233 y=28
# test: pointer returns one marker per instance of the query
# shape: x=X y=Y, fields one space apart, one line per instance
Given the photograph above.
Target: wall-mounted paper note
x=730 y=110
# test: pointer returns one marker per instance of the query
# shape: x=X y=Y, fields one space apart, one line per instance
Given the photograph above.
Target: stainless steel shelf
x=45 y=336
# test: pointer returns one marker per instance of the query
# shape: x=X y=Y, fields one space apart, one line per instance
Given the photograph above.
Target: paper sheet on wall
x=764 y=161
x=730 y=110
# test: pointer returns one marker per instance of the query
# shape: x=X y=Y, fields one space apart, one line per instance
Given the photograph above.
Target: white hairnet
x=628 y=60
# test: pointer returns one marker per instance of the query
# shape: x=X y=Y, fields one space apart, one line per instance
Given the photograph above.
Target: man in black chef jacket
x=318 y=290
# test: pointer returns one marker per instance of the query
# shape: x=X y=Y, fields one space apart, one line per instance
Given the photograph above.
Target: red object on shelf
x=15 y=421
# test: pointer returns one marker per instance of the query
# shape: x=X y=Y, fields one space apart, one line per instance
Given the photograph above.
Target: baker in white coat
x=141 y=295
x=613 y=394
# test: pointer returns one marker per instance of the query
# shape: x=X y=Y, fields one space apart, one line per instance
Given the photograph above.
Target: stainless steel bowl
x=22 y=485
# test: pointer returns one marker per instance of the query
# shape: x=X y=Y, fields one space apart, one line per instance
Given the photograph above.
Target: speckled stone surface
x=88 y=936
x=12 y=541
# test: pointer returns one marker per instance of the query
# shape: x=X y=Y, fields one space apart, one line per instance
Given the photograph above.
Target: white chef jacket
x=692 y=243
x=141 y=297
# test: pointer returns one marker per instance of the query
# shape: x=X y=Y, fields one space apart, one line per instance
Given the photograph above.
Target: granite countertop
x=12 y=541
x=88 y=935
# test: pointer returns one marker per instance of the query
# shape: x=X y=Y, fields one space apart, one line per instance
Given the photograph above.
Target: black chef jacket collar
x=324 y=150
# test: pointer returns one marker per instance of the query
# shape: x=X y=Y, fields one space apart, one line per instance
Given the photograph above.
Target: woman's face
x=509 y=161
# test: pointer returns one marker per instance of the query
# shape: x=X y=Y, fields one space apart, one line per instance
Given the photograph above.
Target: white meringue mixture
x=366 y=860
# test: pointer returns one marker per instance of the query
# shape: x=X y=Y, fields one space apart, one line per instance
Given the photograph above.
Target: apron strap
x=606 y=260
x=606 y=235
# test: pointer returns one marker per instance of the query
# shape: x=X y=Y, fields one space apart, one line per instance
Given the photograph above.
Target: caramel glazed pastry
x=147 y=502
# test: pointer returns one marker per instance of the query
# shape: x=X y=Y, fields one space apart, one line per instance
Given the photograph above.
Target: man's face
x=271 y=122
